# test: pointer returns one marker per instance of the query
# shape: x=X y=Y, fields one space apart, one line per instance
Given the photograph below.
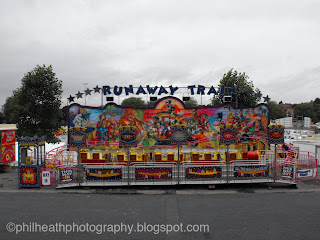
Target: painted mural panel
x=257 y=171
x=154 y=125
x=153 y=173
x=103 y=174
x=7 y=151
x=8 y=154
x=8 y=137
x=203 y=172
x=28 y=176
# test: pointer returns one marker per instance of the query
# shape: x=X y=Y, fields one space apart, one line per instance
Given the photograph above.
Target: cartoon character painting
x=154 y=124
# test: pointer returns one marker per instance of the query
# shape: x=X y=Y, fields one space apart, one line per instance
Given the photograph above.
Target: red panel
x=253 y=155
x=83 y=156
x=120 y=158
x=170 y=157
x=96 y=156
x=8 y=153
x=195 y=157
x=233 y=156
x=8 y=137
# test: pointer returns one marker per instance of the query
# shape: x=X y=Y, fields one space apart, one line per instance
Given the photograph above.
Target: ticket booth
x=31 y=157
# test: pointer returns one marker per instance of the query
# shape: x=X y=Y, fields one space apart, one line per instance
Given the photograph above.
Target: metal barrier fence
x=307 y=166
x=173 y=174
x=268 y=168
x=153 y=174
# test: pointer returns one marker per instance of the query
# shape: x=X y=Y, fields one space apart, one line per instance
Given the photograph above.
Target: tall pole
x=178 y=164
x=128 y=163
x=228 y=163
x=79 y=166
x=101 y=98
x=275 y=163
x=85 y=95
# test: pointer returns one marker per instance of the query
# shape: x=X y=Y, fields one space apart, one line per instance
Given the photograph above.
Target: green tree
x=305 y=110
x=316 y=107
x=11 y=107
x=2 y=119
x=246 y=94
x=35 y=106
x=64 y=117
x=133 y=101
x=191 y=103
x=316 y=101
x=276 y=110
x=151 y=103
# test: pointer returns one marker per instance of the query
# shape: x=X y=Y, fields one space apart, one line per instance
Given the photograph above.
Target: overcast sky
x=178 y=42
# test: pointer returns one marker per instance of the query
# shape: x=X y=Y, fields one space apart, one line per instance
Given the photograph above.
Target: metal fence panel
x=105 y=175
x=203 y=173
x=307 y=166
x=153 y=174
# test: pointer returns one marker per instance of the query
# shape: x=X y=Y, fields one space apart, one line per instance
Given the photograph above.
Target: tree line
x=36 y=106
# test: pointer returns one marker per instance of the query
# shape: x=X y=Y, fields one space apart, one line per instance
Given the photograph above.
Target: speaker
x=153 y=99
x=185 y=98
x=110 y=99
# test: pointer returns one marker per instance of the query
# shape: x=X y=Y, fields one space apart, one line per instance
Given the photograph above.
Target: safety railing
x=267 y=168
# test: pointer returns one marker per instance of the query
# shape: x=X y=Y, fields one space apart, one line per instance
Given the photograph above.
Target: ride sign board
x=128 y=135
x=276 y=134
x=77 y=136
x=179 y=135
x=228 y=134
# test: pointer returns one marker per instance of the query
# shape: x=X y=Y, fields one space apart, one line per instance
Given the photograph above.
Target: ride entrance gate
x=144 y=146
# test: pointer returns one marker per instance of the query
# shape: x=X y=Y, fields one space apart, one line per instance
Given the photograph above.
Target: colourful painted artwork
x=28 y=176
x=128 y=136
x=228 y=134
x=31 y=141
x=8 y=137
x=179 y=135
x=153 y=173
x=7 y=150
x=8 y=153
x=203 y=172
x=154 y=126
x=276 y=134
x=258 y=171
x=103 y=174
x=77 y=136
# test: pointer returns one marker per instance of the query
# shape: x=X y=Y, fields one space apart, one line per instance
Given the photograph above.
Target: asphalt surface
x=241 y=216
x=236 y=211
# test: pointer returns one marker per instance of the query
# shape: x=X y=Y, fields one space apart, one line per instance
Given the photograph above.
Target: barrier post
x=275 y=163
x=227 y=163
x=78 y=160
x=178 y=164
x=128 y=164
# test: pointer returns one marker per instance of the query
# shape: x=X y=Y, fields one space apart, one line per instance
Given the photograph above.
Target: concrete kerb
x=157 y=192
